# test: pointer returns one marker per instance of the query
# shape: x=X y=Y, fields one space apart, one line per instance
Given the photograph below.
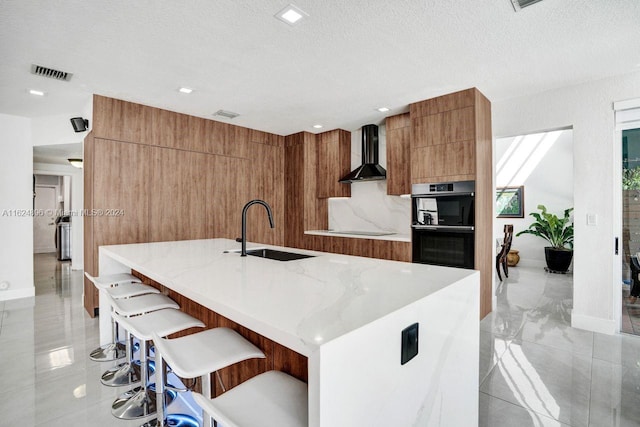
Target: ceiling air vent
x=521 y=4
x=39 y=70
x=226 y=114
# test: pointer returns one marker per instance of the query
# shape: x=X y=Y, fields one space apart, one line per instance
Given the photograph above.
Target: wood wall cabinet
x=157 y=175
x=178 y=204
x=443 y=138
x=398 y=154
x=334 y=162
x=451 y=140
x=116 y=201
x=305 y=211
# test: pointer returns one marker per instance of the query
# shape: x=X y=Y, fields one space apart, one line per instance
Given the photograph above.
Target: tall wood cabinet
x=398 y=154
x=451 y=141
x=334 y=162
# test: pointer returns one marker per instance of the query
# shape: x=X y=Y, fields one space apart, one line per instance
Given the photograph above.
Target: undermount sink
x=277 y=255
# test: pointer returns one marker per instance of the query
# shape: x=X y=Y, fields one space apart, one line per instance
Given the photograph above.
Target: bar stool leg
x=141 y=401
x=163 y=419
x=109 y=352
x=127 y=373
x=206 y=391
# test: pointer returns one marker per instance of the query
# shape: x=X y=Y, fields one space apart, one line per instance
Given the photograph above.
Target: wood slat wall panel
x=278 y=357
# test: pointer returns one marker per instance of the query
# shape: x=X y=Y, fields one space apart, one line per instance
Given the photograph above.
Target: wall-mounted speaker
x=79 y=124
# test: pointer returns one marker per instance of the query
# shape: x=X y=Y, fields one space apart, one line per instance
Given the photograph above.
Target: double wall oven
x=443 y=227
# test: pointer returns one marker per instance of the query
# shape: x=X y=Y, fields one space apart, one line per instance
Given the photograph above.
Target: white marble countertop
x=301 y=304
x=397 y=237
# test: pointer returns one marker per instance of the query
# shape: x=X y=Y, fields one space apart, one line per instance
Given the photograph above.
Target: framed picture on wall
x=510 y=202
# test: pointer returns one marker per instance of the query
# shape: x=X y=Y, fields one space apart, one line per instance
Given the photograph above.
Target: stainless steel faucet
x=244 y=221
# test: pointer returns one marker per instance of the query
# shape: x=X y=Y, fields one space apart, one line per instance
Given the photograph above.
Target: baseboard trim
x=593 y=324
x=17 y=293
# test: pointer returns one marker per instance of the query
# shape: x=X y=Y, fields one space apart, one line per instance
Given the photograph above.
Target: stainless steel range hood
x=370 y=170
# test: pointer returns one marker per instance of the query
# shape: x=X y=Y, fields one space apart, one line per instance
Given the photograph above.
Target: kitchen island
x=346 y=315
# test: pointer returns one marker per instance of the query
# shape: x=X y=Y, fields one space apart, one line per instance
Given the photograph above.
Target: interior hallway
x=535 y=370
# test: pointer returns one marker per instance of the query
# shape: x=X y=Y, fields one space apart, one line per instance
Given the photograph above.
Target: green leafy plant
x=631 y=178
x=557 y=231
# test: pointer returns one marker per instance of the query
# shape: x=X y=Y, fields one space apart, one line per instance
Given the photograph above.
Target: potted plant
x=558 y=232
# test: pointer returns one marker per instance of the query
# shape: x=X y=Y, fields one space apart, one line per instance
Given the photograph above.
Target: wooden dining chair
x=501 y=257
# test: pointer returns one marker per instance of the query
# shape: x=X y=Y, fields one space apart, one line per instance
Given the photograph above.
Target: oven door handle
x=452 y=228
x=436 y=195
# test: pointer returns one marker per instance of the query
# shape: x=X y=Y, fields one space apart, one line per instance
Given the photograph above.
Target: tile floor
x=535 y=370
x=44 y=365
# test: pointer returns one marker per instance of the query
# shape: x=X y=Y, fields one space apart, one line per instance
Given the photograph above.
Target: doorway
x=44 y=227
x=533 y=169
x=630 y=322
x=52 y=201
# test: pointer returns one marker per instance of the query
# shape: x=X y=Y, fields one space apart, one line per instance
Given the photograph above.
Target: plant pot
x=558 y=259
x=513 y=258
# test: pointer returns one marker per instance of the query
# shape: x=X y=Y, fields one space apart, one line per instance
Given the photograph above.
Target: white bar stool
x=122 y=285
x=141 y=401
x=193 y=356
x=129 y=372
x=272 y=398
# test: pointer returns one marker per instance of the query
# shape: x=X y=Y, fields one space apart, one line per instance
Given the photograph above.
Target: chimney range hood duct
x=370 y=170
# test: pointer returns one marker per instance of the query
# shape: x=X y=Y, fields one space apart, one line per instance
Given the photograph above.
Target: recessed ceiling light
x=383 y=109
x=185 y=90
x=291 y=15
x=317 y=126
x=36 y=92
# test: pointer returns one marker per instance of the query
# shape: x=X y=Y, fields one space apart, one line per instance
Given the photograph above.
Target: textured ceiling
x=57 y=154
x=334 y=68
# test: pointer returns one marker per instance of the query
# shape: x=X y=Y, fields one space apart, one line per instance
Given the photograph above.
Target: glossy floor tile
x=536 y=370
x=44 y=347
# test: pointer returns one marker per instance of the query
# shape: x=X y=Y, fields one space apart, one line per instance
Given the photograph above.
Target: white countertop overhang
x=301 y=304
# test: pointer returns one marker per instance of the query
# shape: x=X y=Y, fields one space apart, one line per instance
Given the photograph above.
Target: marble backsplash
x=370 y=208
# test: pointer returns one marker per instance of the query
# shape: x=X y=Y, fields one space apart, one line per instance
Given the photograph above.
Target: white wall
x=549 y=183
x=16 y=250
x=52 y=130
x=588 y=109
x=370 y=208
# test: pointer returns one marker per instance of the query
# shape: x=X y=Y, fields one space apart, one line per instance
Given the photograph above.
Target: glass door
x=630 y=243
